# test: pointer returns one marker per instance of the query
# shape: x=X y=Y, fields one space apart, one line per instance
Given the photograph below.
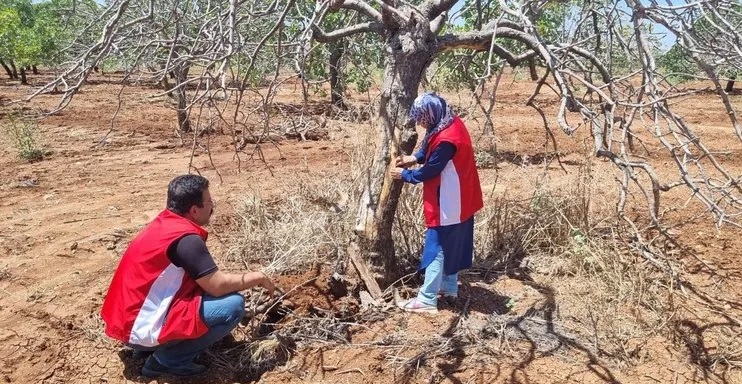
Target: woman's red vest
x=151 y=301
x=455 y=195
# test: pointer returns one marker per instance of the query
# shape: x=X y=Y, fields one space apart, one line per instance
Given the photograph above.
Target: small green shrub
x=22 y=132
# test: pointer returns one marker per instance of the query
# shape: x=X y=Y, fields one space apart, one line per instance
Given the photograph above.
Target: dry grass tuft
x=310 y=226
x=546 y=223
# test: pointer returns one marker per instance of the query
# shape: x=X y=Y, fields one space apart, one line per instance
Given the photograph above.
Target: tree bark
x=7 y=69
x=35 y=70
x=165 y=84
x=24 y=80
x=336 y=87
x=15 y=70
x=407 y=57
x=730 y=84
x=181 y=75
x=532 y=69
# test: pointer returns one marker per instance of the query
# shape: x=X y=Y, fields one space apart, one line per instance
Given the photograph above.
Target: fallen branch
x=362 y=269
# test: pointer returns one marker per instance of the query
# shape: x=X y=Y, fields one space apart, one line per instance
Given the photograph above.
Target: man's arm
x=191 y=254
x=219 y=283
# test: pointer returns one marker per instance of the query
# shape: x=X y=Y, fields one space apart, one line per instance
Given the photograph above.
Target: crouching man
x=167 y=295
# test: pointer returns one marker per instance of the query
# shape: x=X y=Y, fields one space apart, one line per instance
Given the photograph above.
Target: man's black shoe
x=153 y=368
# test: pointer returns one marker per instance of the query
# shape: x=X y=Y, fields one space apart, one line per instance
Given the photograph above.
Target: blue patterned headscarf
x=433 y=113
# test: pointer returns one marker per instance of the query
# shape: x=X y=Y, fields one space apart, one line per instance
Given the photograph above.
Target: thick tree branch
x=434 y=8
x=361 y=7
x=438 y=23
x=482 y=40
x=391 y=16
x=322 y=37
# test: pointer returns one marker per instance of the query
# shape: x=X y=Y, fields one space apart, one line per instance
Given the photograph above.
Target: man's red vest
x=455 y=195
x=151 y=301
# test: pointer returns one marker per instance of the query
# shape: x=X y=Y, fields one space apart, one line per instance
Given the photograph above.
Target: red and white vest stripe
x=455 y=195
x=150 y=300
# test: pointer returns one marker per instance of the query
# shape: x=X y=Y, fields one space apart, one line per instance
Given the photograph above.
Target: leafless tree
x=601 y=67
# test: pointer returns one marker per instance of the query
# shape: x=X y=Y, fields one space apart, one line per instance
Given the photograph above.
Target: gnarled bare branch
x=434 y=8
x=338 y=34
x=359 y=6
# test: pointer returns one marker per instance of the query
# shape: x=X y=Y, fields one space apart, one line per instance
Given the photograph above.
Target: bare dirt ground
x=67 y=219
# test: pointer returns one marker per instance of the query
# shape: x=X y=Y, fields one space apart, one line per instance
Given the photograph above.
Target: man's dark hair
x=185 y=191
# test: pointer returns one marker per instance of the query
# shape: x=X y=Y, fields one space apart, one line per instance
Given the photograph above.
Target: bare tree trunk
x=404 y=70
x=532 y=69
x=35 y=70
x=730 y=84
x=7 y=69
x=181 y=75
x=15 y=70
x=165 y=83
x=336 y=88
x=24 y=80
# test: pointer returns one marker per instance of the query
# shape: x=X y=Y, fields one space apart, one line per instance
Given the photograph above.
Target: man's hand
x=259 y=279
x=406 y=161
x=396 y=173
x=220 y=283
x=267 y=284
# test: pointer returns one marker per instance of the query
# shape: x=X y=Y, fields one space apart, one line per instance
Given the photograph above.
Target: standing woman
x=451 y=196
